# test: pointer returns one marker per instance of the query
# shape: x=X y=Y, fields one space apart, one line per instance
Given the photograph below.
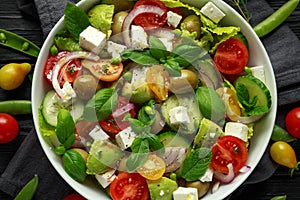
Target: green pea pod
x=280 y=134
x=283 y=197
x=15 y=107
x=18 y=43
x=28 y=190
x=275 y=19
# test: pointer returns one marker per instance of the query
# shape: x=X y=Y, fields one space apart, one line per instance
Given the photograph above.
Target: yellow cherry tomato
x=153 y=169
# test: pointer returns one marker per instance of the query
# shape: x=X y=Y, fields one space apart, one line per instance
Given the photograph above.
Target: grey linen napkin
x=282 y=46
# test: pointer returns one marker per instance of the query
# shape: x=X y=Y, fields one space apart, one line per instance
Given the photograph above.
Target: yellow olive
x=118 y=20
x=192 y=23
x=184 y=83
x=12 y=75
x=202 y=187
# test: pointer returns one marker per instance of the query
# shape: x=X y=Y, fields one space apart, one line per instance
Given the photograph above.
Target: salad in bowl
x=153 y=99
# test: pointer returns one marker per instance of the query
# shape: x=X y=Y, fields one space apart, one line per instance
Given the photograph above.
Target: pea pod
x=275 y=19
x=28 y=190
x=18 y=43
x=280 y=134
x=15 y=107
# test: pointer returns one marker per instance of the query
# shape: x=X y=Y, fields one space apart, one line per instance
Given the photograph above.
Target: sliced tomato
x=113 y=125
x=74 y=196
x=231 y=56
x=150 y=20
x=68 y=72
x=153 y=169
x=229 y=149
x=129 y=186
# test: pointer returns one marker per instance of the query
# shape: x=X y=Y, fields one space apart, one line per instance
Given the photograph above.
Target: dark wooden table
x=13 y=20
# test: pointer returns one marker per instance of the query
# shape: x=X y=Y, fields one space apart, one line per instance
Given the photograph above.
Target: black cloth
x=282 y=46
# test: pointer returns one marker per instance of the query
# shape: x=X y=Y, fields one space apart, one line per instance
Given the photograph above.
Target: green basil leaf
x=155 y=143
x=196 y=164
x=242 y=92
x=187 y=52
x=172 y=67
x=139 y=155
x=147 y=113
x=140 y=57
x=258 y=110
x=76 y=20
x=157 y=49
x=138 y=126
x=74 y=165
x=65 y=128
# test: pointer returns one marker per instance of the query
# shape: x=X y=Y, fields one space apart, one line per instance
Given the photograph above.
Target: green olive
x=118 y=22
x=85 y=86
x=192 y=23
x=184 y=83
x=202 y=187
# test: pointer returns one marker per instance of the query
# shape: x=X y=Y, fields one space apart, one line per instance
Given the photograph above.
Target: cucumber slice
x=172 y=139
x=52 y=105
x=257 y=88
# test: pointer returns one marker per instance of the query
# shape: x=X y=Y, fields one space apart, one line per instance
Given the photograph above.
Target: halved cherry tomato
x=68 y=72
x=74 y=196
x=153 y=169
x=9 y=128
x=113 y=125
x=229 y=149
x=129 y=186
x=292 y=122
x=231 y=56
x=157 y=78
x=150 y=20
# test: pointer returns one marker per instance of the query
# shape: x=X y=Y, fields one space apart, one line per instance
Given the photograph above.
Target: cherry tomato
x=150 y=20
x=113 y=125
x=229 y=149
x=74 y=196
x=129 y=186
x=292 y=122
x=9 y=128
x=231 y=56
x=153 y=169
x=69 y=72
x=157 y=78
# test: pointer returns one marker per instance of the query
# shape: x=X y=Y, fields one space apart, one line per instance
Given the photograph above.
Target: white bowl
x=263 y=129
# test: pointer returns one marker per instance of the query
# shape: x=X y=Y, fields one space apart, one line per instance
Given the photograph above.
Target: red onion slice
x=215 y=187
x=225 y=178
x=123 y=110
x=245 y=169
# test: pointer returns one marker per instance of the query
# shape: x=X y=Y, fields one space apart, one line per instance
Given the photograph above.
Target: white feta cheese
x=211 y=11
x=138 y=38
x=125 y=138
x=106 y=178
x=185 y=193
x=115 y=49
x=259 y=72
x=168 y=43
x=68 y=92
x=237 y=129
x=179 y=115
x=208 y=175
x=173 y=19
x=139 y=75
x=92 y=39
x=98 y=133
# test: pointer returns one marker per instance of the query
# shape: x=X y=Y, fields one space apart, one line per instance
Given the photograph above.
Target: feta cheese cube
x=68 y=92
x=138 y=38
x=173 y=19
x=106 y=178
x=208 y=175
x=115 y=49
x=92 y=39
x=259 y=72
x=179 y=115
x=211 y=11
x=139 y=75
x=184 y=193
x=168 y=43
x=237 y=129
x=125 y=138
x=98 y=133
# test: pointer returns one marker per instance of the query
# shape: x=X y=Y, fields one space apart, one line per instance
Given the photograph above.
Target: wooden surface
x=13 y=20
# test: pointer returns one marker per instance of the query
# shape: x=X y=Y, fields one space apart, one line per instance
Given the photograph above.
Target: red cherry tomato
x=74 y=196
x=69 y=72
x=231 y=56
x=9 y=128
x=150 y=20
x=292 y=122
x=229 y=149
x=129 y=186
x=113 y=125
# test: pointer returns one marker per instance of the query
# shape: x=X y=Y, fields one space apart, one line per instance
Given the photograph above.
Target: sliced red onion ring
x=215 y=187
x=245 y=169
x=55 y=71
x=135 y=12
x=123 y=110
x=174 y=157
x=225 y=178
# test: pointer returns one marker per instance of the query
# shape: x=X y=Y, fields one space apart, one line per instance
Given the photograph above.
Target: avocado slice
x=162 y=189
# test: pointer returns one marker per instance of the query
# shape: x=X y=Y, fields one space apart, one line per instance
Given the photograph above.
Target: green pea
x=280 y=134
x=2 y=38
x=28 y=190
x=25 y=46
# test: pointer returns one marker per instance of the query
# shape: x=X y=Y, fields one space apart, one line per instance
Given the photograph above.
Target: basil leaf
x=76 y=20
x=187 y=52
x=138 y=126
x=155 y=143
x=258 y=110
x=157 y=49
x=147 y=113
x=242 y=92
x=196 y=164
x=172 y=67
x=139 y=155
x=140 y=57
x=65 y=128
x=74 y=165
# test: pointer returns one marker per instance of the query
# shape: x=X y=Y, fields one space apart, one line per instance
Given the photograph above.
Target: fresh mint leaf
x=139 y=155
x=242 y=92
x=65 y=128
x=76 y=20
x=258 y=110
x=196 y=164
x=140 y=57
x=74 y=165
x=157 y=49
